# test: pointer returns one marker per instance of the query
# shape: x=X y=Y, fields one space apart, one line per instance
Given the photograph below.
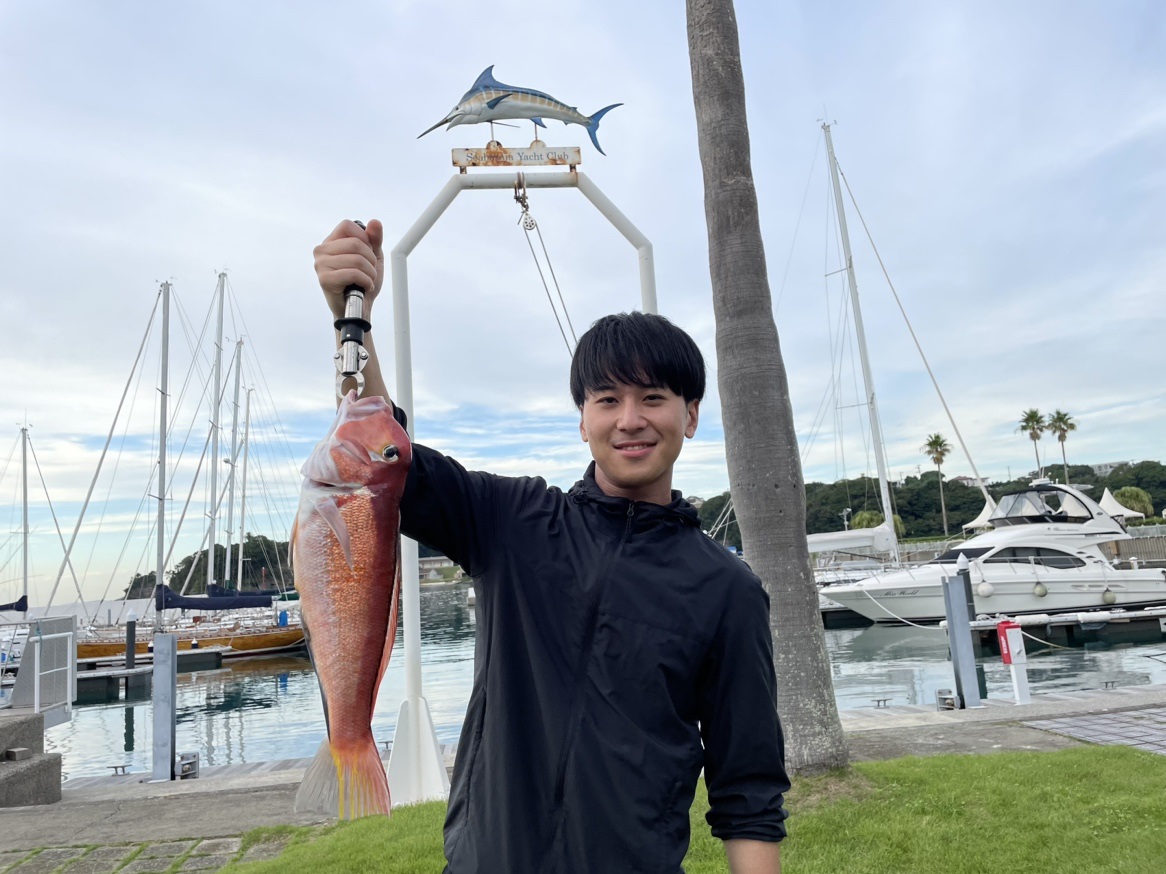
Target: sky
x=1009 y=160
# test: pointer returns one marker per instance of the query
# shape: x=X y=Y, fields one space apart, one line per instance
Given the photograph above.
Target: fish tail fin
x=346 y=784
x=593 y=125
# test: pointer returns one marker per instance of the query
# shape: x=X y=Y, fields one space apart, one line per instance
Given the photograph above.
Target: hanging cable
x=915 y=339
x=529 y=224
x=57 y=524
x=101 y=459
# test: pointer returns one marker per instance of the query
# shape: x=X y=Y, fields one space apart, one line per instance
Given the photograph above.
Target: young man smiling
x=620 y=651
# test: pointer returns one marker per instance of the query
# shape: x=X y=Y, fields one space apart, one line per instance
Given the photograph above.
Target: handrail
x=69 y=667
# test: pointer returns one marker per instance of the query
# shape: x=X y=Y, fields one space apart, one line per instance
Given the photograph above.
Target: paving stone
x=264 y=851
x=61 y=854
x=117 y=853
x=155 y=865
x=169 y=848
x=34 y=866
x=7 y=859
x=93 y=866
x=218 y=846
x=48 y=860
x=207 y=863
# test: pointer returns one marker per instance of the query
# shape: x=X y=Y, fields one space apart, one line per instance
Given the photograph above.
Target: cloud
x=1006 y=159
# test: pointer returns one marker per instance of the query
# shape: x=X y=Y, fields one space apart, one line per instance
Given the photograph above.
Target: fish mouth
x=445 y=120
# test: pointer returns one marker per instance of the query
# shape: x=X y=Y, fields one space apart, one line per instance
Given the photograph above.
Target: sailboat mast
x=24 y=508
x=243 y=484
x=213 y=502
x=860 y=333
x=233 y=452
x=163 y=398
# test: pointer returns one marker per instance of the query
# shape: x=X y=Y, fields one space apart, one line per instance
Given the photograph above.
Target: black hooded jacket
x=619 y=652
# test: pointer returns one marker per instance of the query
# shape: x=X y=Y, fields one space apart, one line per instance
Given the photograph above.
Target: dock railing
x=46 y=676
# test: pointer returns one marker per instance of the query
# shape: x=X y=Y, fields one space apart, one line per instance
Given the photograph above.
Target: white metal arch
x=416 y=768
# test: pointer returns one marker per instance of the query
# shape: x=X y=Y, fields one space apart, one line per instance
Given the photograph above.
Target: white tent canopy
x=981 y=521
x=1110 y=505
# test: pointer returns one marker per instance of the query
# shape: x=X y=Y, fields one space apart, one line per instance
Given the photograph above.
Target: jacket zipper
x=588 y=648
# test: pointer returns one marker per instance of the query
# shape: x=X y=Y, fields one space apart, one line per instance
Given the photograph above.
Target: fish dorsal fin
x=486 y=80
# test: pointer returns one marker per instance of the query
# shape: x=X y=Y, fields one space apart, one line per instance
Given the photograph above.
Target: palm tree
x=765 y=472
x=1032 y=423
x=937 y=449
x=1061 y=423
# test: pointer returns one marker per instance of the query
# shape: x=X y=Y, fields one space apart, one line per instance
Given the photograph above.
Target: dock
x=102 y=686
x=1076 y=629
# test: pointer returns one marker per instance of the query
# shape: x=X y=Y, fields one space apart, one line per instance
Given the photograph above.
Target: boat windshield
x=1040 y=505
x=953 y=555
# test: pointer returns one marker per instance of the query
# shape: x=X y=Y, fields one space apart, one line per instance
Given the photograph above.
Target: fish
x=346 y=559
x=490 y=100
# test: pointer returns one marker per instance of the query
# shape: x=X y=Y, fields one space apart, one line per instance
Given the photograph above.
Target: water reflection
x=269 y=708
x=908 y=665
x=264 y=709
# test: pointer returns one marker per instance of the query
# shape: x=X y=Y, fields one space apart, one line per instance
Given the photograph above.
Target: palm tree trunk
x=942 y=503
x=1065 y=461
x=1037 y=454
x=765 y=474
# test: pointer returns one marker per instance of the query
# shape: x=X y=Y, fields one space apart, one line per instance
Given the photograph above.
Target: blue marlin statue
x=490 y=100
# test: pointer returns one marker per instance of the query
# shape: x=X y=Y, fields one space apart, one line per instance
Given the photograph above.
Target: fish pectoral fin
x=493 y=104
x=331 y=514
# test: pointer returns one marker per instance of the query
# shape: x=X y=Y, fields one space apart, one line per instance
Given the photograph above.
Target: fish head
x=466 y=112
x=366 y=446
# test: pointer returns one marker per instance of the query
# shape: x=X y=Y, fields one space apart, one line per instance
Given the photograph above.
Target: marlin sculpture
x=490 y=100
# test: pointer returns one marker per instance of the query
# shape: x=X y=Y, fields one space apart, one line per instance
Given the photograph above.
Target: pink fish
x=346 y=557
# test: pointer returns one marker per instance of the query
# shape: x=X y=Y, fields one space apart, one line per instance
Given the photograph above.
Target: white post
x=416 y=768
x=213 y=513
x=36 y=666
x=165 y=698
x=24 y=506
x=1012 y=651
x=243 y=486
x=163 y=397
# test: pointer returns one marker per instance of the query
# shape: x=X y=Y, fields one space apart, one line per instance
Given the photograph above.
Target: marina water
x=256 y=710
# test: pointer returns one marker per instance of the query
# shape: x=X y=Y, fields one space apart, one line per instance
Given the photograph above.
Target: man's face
x=635 y=435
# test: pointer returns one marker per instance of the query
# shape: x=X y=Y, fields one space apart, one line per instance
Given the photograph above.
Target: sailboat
x=882 y=538
x=242 y=623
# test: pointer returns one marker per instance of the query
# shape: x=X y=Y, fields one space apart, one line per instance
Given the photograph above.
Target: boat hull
x=917 y=596
x=249 y=642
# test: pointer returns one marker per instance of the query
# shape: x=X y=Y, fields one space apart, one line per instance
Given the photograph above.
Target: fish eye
x=391 y=453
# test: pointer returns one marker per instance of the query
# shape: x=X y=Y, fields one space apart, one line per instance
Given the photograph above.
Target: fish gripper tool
x=351 y=357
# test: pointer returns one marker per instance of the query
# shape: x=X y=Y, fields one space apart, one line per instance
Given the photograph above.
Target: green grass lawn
x=1088 y=809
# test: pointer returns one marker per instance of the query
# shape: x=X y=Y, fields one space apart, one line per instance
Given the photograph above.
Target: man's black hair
x=636 y=349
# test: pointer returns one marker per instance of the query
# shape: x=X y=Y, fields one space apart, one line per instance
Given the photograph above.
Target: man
x=620 y=651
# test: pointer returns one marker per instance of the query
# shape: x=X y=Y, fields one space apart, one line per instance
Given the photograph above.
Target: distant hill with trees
x=265 y=566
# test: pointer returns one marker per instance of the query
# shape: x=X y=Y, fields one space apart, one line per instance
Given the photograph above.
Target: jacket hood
x=678 y=510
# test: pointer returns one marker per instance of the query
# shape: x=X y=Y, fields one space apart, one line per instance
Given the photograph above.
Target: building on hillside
x=696 y=502
x=1108 y=467
x=970 y=481
x=433 y=563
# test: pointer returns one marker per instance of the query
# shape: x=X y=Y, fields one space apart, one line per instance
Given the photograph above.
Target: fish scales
x=347 y=569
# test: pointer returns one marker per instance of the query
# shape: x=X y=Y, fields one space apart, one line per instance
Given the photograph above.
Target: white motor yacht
x=1042 y=556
